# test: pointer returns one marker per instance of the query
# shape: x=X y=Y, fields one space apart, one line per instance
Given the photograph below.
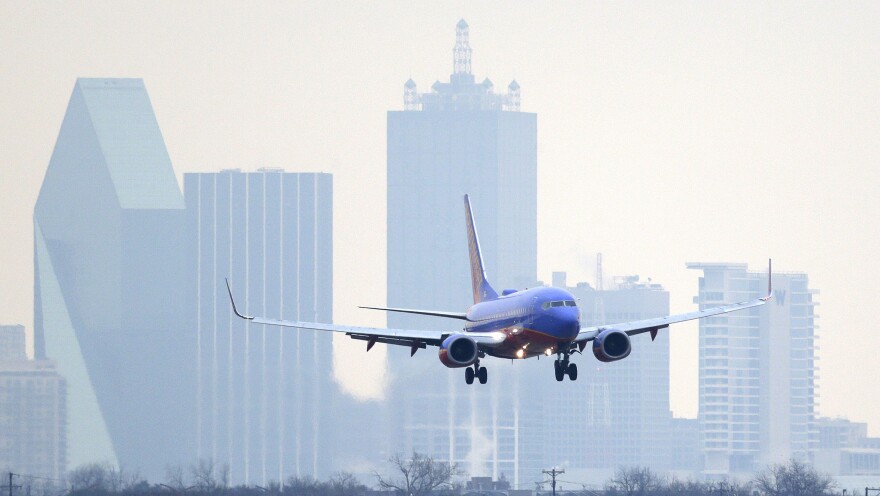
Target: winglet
x=232 y=300
x=769 y=280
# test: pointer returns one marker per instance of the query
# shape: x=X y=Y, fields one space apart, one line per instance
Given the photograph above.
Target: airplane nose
x=570 y=321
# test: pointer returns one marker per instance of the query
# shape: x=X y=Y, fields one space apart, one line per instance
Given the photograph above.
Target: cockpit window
x=558 y=303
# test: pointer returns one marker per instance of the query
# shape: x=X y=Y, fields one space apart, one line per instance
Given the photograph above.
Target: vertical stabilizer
x=482 y=290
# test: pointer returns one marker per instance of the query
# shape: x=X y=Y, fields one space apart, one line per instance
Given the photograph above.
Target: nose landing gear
x=476 y=372
x=563 y=367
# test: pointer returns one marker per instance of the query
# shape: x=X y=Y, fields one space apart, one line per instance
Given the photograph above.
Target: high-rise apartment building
x=33 y=423
x=109 y=282
x=461 y=137
x=263 y=393
x=756 y=397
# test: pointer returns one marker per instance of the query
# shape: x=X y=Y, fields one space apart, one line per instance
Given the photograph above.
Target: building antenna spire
x=461 y=54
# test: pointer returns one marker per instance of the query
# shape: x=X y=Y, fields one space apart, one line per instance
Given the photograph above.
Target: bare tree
x=685 y=488
x=418 y=475
x=345 y=484
x=303 y=486
x=635 y=481
x=208 y=478
x=794 y=479
x=174 y=478
x=101 y=478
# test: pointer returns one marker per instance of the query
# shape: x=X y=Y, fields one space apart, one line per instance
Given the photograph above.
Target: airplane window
x=570 y=303
x=558 y=303
x=546 y=305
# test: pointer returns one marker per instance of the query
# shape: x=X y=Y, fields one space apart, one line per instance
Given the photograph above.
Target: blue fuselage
x=536 y=321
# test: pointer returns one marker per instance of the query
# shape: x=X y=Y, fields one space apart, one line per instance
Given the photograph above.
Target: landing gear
x=560 y=372
x=476 y=372
x=562 y=367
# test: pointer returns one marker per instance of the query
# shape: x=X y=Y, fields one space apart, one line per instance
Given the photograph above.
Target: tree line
x=792 y=479
x=416 y=475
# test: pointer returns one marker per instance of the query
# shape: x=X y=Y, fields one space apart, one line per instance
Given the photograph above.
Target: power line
x=10 y=486
x=553 y=473
x=27 y=476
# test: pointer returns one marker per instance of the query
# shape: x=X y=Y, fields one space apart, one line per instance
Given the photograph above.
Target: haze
x=667 y=132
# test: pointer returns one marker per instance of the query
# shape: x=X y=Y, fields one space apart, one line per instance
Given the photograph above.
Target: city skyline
x=779 y=103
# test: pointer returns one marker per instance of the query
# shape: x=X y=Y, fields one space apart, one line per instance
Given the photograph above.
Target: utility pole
x=10 y=486
x=553 y=473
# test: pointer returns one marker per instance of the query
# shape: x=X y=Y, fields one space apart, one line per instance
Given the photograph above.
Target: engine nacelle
x=458 y=350
x=611 y=345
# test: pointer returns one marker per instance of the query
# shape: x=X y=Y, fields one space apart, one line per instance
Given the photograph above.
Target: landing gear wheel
x=483 y=375
x=560 y=372
x=572 y=371
x=469 y=375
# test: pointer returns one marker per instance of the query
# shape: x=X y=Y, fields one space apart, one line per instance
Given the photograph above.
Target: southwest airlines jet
x=514 y=325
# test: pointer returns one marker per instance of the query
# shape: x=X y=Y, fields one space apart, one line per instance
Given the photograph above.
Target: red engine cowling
x=611 y=345
x=458 y=350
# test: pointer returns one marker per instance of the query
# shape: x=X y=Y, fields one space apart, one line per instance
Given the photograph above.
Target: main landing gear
x=562 y=367
x=478 y=372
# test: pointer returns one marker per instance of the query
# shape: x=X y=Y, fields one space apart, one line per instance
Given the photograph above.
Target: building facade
x=33 y=417
x=109 y=276
x=461 y=137
x=12 y=343
x=845 y=450
x=757 y=370
x=263 y=392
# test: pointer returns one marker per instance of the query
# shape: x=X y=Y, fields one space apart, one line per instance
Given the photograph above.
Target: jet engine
x=458 y=350
x=611 y=345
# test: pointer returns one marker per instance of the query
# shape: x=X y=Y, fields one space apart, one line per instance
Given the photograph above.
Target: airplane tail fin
x=482 y=289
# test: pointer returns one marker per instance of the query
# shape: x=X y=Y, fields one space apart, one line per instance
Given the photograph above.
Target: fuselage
x=536 y=321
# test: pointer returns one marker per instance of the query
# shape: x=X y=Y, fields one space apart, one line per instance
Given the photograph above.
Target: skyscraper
x=757 y=384
x=108 y=282
x=263 y=392
x=32 y=411
x=461 y=137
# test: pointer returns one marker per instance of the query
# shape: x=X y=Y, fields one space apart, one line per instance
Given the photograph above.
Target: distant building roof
x=121 y=115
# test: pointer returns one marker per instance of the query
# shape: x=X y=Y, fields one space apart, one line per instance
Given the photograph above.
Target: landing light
x=520 y=352
x=548 y=352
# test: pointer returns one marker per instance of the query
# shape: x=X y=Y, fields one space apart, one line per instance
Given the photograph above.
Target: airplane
x=517 y=324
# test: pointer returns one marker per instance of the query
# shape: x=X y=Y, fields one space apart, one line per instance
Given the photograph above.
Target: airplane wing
x=415 y=339
x=433 y=313
x=653 y=325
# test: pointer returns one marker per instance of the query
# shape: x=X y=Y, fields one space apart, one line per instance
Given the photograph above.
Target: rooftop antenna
x=461 y=54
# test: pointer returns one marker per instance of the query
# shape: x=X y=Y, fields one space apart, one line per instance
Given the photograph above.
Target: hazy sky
x=667 y=133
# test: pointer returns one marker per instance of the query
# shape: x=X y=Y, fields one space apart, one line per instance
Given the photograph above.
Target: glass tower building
x=109 y=302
